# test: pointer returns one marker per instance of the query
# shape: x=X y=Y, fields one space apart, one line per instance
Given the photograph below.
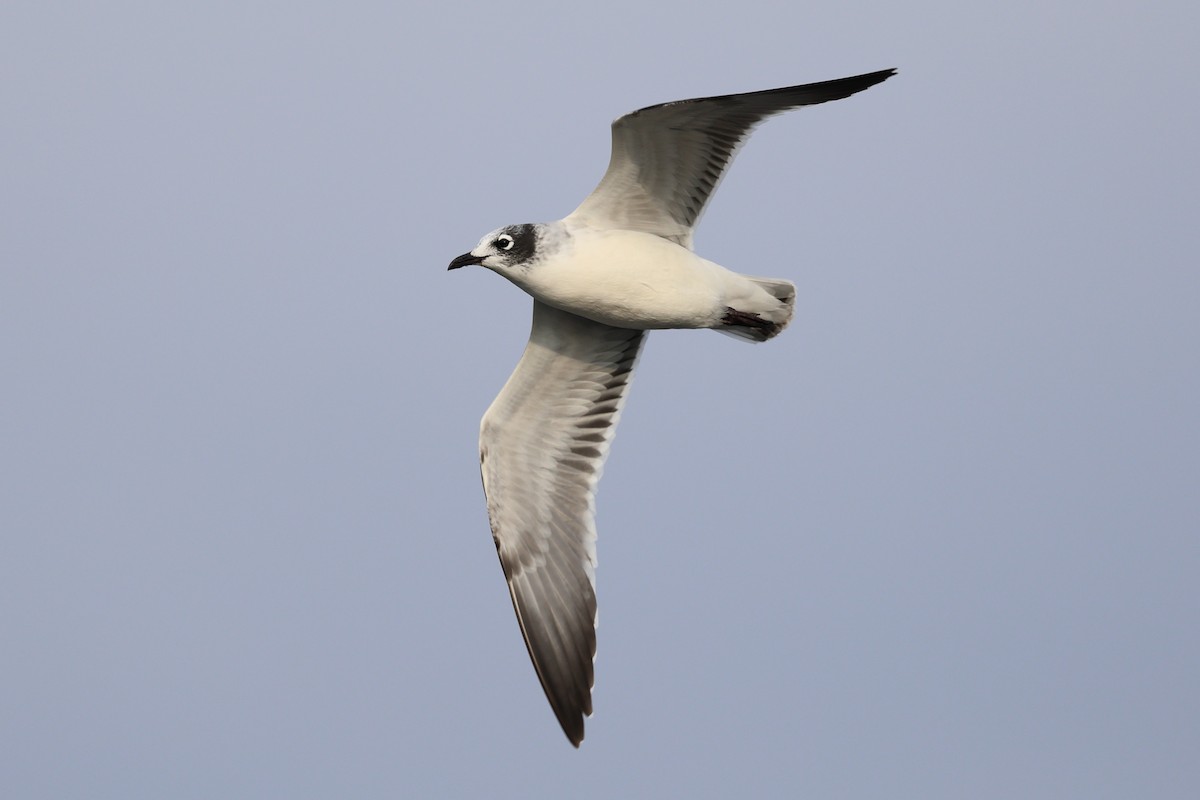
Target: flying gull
x=619 y=265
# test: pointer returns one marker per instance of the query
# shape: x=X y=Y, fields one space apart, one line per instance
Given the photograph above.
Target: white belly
x=632 y=280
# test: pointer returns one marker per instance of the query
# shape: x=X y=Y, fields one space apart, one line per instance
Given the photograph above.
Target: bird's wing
x=542 y=445
x=668 y=159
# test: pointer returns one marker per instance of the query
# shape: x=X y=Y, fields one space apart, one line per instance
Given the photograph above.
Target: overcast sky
x=941 y=539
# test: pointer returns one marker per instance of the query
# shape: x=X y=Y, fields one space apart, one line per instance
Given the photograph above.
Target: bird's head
x=504 y=250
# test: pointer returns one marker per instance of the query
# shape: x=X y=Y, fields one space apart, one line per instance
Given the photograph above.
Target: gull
x=619 y=265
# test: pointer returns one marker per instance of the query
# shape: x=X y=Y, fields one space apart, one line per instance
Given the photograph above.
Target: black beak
x=465 y=260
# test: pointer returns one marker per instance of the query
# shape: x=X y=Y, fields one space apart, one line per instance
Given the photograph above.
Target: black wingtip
x=844 y=87
x=881 y=76
x=785 y=97
x=571 y=723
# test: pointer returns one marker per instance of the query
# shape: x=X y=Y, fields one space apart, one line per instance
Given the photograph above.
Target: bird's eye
x=504 y=242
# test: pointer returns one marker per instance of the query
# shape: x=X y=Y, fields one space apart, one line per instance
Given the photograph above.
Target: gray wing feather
x=542 y=446
x=668 y=159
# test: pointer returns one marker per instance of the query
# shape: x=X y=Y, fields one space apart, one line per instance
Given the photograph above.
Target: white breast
x=631 y=280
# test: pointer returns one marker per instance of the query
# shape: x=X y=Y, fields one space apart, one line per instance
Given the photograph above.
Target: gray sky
x=939 y=540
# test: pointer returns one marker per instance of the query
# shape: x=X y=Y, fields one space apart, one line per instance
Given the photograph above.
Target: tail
x=763 y=316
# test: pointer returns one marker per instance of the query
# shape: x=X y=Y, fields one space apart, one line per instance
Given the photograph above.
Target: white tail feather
x=765 y=317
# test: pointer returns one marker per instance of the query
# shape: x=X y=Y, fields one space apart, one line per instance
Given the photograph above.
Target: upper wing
x=668 y=159
x=542 y=445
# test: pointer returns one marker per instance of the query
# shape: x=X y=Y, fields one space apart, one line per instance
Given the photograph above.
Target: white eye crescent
x=504 y=242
